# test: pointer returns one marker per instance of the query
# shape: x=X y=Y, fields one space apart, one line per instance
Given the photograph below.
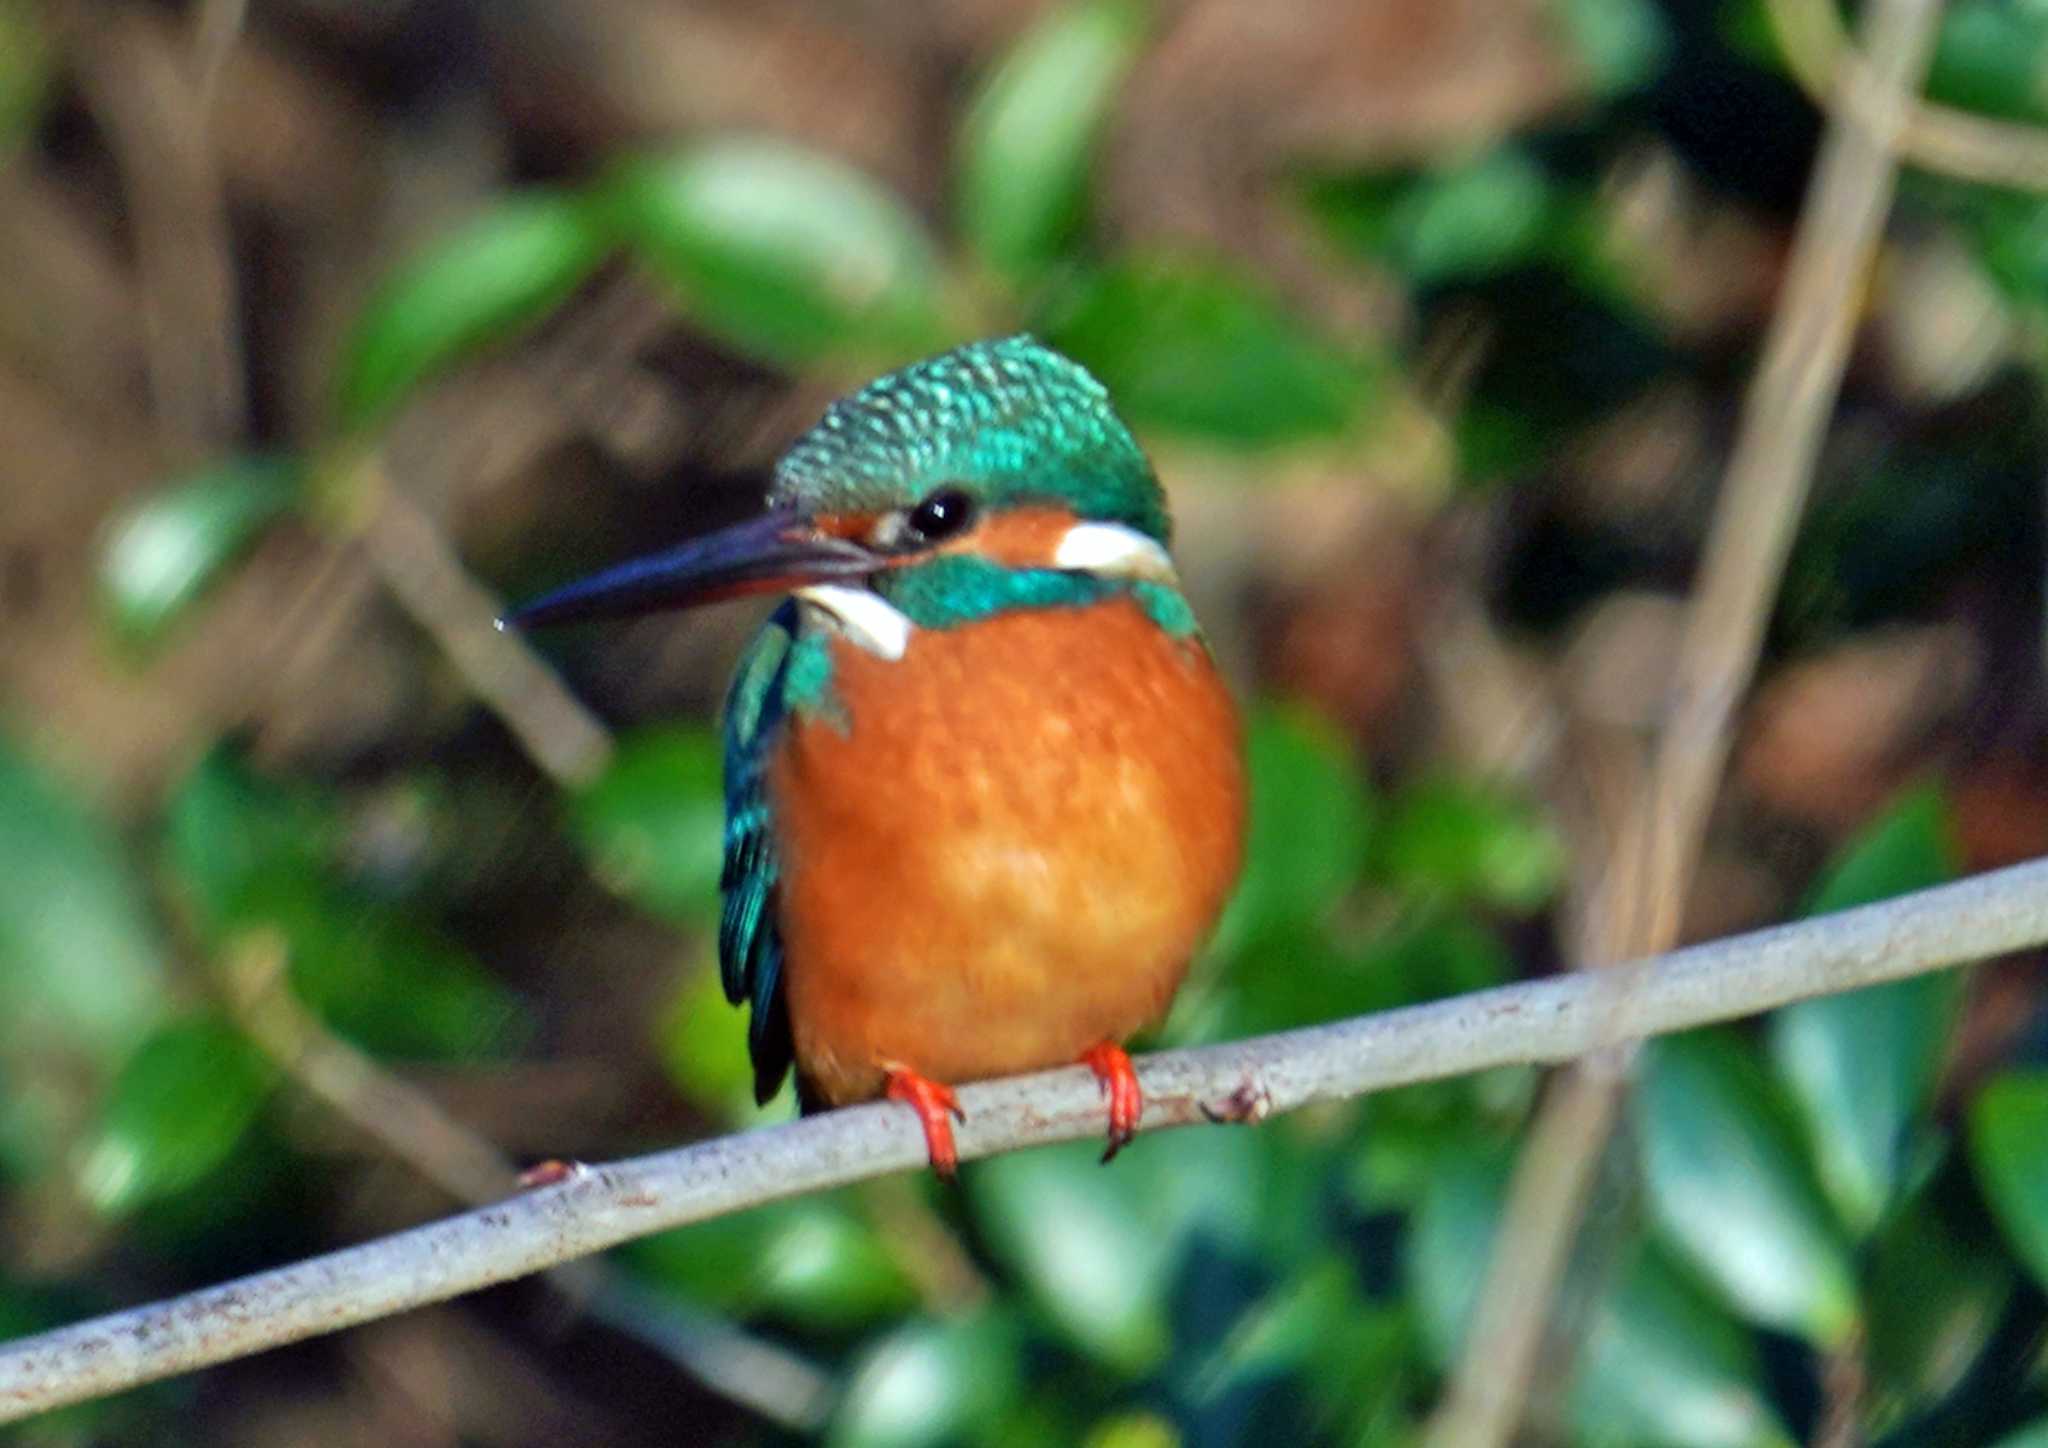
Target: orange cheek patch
x=1016 y=538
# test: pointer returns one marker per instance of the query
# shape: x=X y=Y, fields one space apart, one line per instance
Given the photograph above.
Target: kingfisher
x=984 y=785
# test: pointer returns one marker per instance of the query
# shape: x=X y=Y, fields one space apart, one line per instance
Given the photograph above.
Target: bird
x=984 y=783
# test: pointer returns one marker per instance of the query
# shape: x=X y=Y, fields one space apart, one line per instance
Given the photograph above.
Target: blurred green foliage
x=1800 y=1192
x=1989 y=59
x=1191 y=345
x=1028 y=137
x=507 y=266
x=256 y=861
x=653 y=824
x=162 y=553
x=784 y=252
x=1729 y=1186
x=69 y=896
x=175 y=1111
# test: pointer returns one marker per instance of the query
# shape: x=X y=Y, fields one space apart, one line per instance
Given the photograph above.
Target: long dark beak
x=775 y=551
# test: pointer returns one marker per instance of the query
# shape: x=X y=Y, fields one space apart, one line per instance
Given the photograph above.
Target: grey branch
x=1538 y=1021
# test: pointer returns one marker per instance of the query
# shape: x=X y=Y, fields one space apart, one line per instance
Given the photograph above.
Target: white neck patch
x=1113 y=551
x=870 y=621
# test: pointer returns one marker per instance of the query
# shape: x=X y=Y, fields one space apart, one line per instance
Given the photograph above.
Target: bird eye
x=943 y=514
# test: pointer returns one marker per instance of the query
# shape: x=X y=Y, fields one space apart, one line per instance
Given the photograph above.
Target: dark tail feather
x=769 y=1043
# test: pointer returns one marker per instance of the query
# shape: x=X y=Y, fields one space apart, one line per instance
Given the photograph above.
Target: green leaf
x=1623 y=44
x=1477 y=220
x=2012 y=241
x=931 y=1382
x=1030 y=134
x=1449 y=1243
x=1467 y=842
x=814 y=1261
x=1463 y=223
x=1909 y=847
x=175 y=1112
x=1731 y=1190
x=2034 y=1435
x=1664 y=1365
x=1311 y=819
x=227 y=830
x=1199 y=347
x=1287 y=1327
x=160 y=554
x=1862 y=1064
x=787 y=253
x=2009 y=1150
x=654 y=823
x=81 y=960
x=1935 y=1297
x=1992 y=57
x=1411 y=1131
x=503 y=270
x=1097 y=1249
x=1745 y=27
x=1365 y=1369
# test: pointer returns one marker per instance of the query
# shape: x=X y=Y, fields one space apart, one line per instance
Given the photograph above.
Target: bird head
x=999 y=455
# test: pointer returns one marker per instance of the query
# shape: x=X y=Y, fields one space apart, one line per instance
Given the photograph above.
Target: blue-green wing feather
x=749 y=948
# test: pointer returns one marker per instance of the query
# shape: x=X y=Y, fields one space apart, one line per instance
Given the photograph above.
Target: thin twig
x=388 y=1110
x=924 y=1248
x=1556 y=1019
x=1785 y=418
x=140 y=85
x=1844 y=1382
x=1935 y=137
x=216 y=26
x=421 y=571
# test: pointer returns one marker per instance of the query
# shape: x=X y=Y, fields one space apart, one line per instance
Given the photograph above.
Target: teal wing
x=749 y=948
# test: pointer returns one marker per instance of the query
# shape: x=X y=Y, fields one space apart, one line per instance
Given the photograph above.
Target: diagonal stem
x=1784 y=422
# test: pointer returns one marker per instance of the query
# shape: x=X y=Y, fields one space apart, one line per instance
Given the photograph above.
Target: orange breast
x=1012 y=852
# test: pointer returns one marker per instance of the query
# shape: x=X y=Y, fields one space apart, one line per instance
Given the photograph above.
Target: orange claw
x=932 y=1103
x=1120 y=1084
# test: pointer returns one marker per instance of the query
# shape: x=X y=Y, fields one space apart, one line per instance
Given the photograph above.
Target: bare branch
x=1539 y=1021
x=139 y=81
x=420 y=569
x=1835 y=75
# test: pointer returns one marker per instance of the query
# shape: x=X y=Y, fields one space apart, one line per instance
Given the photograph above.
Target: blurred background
x=325 y=328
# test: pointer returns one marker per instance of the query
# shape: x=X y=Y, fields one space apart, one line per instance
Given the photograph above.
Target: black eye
x=942 y=515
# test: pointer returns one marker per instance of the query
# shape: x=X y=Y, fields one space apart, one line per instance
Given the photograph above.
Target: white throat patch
x=863 y=616
x=1113 y=551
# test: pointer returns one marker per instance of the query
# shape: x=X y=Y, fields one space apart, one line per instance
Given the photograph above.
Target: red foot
x=1120 y=1084
x=932 y=1103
